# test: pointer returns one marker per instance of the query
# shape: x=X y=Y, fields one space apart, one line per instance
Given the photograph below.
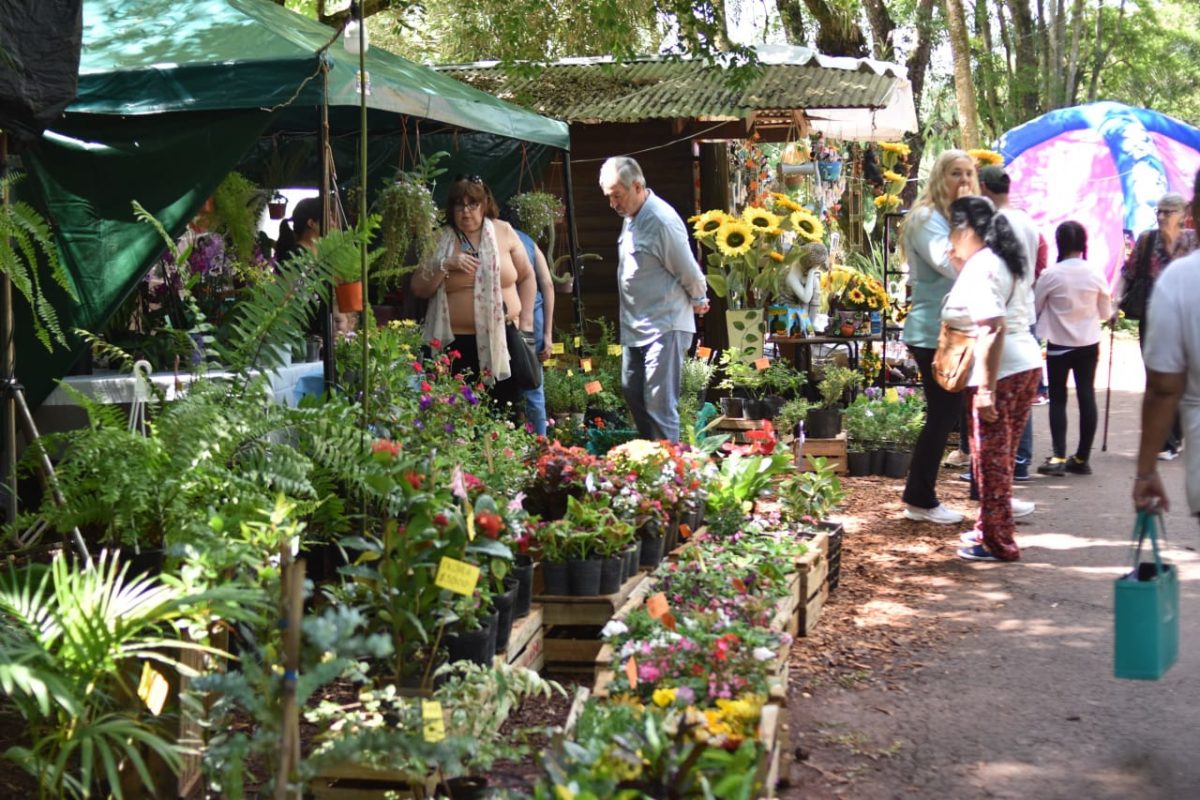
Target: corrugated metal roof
x=599 y=90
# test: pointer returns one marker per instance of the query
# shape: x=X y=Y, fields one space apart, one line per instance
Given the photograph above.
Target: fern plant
x=26 y=242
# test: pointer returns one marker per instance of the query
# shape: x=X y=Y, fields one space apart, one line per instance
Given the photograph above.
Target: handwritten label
x=550 y=362
x=577 y=341
x=593 y=387
x=153 y=689
x=457 y=576
x=614 y=349
x=631 y=672
x=891 y=395
x=657 y=605
x=585 y=364
x=761 y=363
x=557 y=348
x=434 y=721
x=703 y=352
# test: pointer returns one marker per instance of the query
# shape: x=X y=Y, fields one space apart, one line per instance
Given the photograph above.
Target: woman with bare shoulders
x=478 y=278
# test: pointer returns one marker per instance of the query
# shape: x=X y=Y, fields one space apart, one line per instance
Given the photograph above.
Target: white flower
x=763 y=654
x=613 y=629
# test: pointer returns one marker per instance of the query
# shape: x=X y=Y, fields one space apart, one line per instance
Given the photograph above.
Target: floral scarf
x=489 y=303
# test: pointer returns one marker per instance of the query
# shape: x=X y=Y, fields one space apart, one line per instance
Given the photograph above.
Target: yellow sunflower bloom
x=734 y=238
x=761 y=219
x=899 y=148
x=887 y=201
x=985 y=157
x=892 y=177
x=805 y=223
x=856 y=296
x=707 y=223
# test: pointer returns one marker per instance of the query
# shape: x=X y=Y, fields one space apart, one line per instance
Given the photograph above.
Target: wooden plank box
x=832 y=449
x=814 y=587
x=526 y=644
x=594 y=610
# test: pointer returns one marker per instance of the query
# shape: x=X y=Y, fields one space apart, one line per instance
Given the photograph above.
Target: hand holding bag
x=1146 y=609
x=954 y=358
x=523 y=362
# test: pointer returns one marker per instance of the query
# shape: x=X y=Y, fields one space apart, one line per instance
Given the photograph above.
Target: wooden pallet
x=814 y=586
x=594 y=610
x=773 y=732
x=832 y=449
x=579 y=648
x=526 y=644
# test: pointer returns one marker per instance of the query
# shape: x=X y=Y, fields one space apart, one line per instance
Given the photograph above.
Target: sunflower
x=706 y=224
x=887 y=201
x=805 y=223
x=892 y=177
x=985 y=158
x=873 y=302
x=856 y=296
x=763 y=221
x=899 y=148
x=734 y=238
x=785 y=202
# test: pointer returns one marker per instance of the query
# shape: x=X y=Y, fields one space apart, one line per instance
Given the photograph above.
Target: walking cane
x=1112 y=337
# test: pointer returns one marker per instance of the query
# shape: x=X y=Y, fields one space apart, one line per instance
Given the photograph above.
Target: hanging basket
x=277 y=209
x=349 y=297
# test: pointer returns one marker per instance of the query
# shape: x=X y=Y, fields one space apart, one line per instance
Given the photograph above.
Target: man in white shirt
x=1172 y=357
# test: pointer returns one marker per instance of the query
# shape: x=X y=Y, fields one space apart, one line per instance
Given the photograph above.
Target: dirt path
x=930 y=677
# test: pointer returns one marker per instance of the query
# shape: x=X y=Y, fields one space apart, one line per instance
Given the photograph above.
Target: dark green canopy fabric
x=173 y=94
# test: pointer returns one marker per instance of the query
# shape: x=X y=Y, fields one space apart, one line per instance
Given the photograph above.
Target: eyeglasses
x=468 y=207
x=1169 y=211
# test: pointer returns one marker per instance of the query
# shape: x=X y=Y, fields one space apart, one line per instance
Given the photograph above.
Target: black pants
x=505 y=393
x=1175 y=435
x=1082 y=361
x=942 y=409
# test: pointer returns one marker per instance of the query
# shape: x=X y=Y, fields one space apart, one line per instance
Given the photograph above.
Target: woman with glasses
x=478 y=279
x=1155 y=249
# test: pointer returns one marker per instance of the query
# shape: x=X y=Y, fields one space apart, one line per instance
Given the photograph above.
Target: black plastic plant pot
x=504 y=604
x=732 y=407
x=877 y=459
x=823 y=423
x=555 y=579
x=630 y=558
x=858 y=463
x=652 y=551
x=476 y=646
x=611 y=571
x=585 y=576
x=522 y=572
x=896 y=462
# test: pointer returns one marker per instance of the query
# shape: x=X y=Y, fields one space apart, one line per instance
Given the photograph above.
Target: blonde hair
x=934 y=196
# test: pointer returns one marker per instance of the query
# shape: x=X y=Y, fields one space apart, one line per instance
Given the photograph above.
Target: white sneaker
x=957 y=458
x=971 y=538
x=939 y=514
x=1022 y=508
x=1168 y=455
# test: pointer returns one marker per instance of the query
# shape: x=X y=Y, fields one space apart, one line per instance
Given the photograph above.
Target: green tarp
x=173 y=94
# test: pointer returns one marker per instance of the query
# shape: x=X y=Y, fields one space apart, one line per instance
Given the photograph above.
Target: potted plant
x=552 y=540
x=408 y=218
x=791 y=414
x=566 y=397
x=697 y=375
x=340 y=249
x=277 y=206
x=826 y=422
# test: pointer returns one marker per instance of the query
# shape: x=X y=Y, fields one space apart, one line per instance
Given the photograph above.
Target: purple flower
x=448 y=427
x=419 y=425
x=425 y=402
x=469 y=395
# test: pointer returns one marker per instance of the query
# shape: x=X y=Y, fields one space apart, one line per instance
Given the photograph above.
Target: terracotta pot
x=349 y=297
x=277 y=210
x=847 y=329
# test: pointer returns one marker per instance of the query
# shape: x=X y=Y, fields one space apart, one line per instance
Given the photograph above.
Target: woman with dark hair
x=992 y=299
x=1071 y=299
x=477 y=279
x=304 y=230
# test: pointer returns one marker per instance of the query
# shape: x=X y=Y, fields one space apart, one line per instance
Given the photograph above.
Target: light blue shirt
x=927 y=247
x=657 y=277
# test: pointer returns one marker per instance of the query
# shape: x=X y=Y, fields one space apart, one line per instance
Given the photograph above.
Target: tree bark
x=1073 y=63
x=1102 y=51
x=964 y=87
x=1010 y=70
x=882 y=28
x=1025 y=84
x=838 y=33
x=918 y=66
x=985 y=57
x=1044 y=33
x=791 y=15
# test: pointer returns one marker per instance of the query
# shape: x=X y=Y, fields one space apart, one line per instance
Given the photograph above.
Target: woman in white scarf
x=477 y=271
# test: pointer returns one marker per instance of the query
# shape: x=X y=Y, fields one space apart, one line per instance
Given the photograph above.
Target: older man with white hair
x=660 y=286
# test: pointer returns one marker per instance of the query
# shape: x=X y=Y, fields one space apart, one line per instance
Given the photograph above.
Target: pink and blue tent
x=1104 y=165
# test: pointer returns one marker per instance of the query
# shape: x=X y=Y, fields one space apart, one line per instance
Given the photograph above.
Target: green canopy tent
x=173 y=94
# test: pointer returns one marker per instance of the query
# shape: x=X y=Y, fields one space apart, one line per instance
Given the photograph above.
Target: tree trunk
x=838 y=33
x=964 y=87
x=1026 y=83
x=1102 y=51
x=1044 y=31
x=1073 y=63
x=1010 y=69
x=985 y=57
x=791 y=15
x=882 y=28
x=918 y=65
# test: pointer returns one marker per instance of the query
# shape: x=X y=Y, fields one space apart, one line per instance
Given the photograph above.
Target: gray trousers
x=650 y=381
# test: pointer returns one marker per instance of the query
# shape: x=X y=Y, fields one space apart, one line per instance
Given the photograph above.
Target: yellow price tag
x=891 y=395
x=577 y=341
x=557 y=348
x=614 y=349
x=470 y=524
x=457 y=576
x=434 y=721
x=585 y=364
x=153 y=689
x=550 y=362
x=593 y=387
x=570 y=373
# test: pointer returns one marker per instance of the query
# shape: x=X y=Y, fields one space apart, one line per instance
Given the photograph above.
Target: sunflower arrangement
x=751 y=254
x=893 y=156
x=847 y=289
x=986 y=158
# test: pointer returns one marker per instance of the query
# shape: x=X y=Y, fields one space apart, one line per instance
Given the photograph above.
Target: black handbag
x=523 y=363
x=1137 y=286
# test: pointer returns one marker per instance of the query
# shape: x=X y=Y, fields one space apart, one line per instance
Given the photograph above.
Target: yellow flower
x=783 y=201
x=805 y=223
x=714 y=723
x=707 y=223
x=899 y=148
x=734 y=238
x=892 y=177
x=563 y=792
x=764 y=221
x=663 y=697
x=886 y=201
x=986 y=158
x=856 y=296
x=873 y=302
x=775 y=255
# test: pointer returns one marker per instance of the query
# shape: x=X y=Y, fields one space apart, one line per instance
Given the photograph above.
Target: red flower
x=413 y=478
x=425 y=387
x=436 y=344
x=441 y=520
x=489 y=524
x=386 y=446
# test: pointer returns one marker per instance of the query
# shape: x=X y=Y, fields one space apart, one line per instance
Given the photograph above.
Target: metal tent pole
x=326 y=308
x=573 y=242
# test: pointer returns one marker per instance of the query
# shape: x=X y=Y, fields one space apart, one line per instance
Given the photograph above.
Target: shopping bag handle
x=1149 y=523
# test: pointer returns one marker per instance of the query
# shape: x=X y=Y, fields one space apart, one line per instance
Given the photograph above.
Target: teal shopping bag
x=1146 y=609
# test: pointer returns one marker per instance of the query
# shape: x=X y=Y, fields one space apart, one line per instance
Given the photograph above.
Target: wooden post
x=293 y=614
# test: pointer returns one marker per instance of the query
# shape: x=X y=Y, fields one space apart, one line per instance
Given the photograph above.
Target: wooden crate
x=832 y=449
x=736 y=427
x=814 y=586
x=595 y=610
x=572 y=648
x=526 y=644
x=773 y=732
x=356 y=782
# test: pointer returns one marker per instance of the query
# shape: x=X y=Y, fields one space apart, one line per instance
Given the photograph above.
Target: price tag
x=585 y=364
x=457 y=576
x=614 y=349
x=593 y=387
x=685 y=531
x=703 y=352
x=153 y=689
x=557 y=348
x=550 y=362
x=570 y=373
x=577 y=342
x=762 y=363
x=435 y=722
x=891 y=395
x=657 y=605
x=631 y=672
x=668 y=621
x=470 y=523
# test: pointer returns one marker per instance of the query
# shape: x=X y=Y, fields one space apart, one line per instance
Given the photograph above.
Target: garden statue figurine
x=803 y=283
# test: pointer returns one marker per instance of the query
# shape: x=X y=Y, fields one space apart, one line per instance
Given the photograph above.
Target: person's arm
x=989 y=345
x=678 y=260
x=1104 y=302
x=429 y=277
x=1041 y=290
x=1042 y=259
x=930 y=240
x=526 y=279
x=542 y=269
x=1159 y=405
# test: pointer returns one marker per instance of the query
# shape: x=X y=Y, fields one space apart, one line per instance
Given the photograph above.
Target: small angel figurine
x=803 y=283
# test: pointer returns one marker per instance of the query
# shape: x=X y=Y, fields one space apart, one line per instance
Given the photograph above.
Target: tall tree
x=838 y=32
x=1023 y=82
x=964 y=87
